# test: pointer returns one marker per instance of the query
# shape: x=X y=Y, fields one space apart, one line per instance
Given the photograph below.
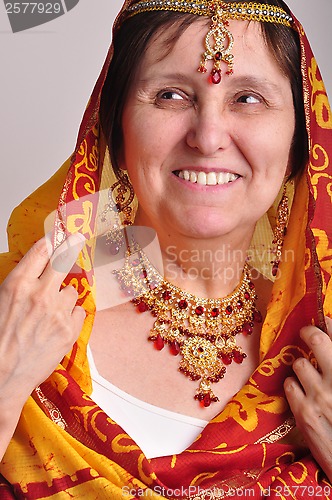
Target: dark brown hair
x=131 y=41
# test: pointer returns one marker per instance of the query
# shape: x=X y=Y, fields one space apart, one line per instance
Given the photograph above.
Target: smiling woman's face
x=207 y=160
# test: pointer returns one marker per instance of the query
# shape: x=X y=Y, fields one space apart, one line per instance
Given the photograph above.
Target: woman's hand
x=38 y=323
x=310 y=395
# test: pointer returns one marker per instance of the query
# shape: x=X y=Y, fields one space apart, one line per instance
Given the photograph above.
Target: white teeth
x=201 y=179
x=211 y=179
x=193 y=177
x=207 y=179
x=223 y=178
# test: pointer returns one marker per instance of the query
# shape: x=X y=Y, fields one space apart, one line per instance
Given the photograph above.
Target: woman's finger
x=321 y=346
x=35 y=260
x=63 y=259
x=310 y=379
x=68 y=297
x=78 y=316
x=294 y=394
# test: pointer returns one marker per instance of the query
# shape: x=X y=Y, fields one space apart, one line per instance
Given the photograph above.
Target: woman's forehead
x=164 y=49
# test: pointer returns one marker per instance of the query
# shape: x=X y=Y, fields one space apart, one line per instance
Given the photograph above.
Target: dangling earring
x=280 y=230
x=121 y=195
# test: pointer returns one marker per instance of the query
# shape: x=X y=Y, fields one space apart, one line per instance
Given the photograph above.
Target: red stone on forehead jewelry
x=183 y=304
x=216 y=76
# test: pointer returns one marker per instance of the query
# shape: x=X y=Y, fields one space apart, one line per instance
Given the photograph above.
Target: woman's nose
x=209 y=131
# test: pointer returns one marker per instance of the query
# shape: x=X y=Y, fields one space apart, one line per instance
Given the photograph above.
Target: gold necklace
x=202 y=331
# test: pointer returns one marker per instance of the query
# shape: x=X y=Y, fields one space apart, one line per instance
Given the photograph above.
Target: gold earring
x=280 y=230
x=121 y=195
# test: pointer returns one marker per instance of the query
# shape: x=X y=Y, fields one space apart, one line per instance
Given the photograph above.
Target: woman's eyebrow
x=249 y=82
x=177 y=76
x=245 y=81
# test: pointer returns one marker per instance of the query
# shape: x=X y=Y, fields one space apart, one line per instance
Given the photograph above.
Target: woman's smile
x=202 y=178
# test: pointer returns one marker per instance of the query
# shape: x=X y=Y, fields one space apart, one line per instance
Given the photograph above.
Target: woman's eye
x=248 y=99
x=170 y=95
x=173 y=99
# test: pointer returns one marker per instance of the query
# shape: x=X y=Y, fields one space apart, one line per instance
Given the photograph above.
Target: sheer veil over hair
x=66 y=445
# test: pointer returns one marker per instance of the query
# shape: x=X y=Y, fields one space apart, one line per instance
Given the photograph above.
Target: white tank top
x=158 y=432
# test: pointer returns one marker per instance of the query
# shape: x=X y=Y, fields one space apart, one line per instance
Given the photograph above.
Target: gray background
x=47 y=75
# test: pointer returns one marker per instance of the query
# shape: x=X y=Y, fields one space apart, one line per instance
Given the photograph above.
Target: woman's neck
x=205 y=267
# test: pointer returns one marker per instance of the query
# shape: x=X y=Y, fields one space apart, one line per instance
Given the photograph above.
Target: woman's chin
x=204 y=223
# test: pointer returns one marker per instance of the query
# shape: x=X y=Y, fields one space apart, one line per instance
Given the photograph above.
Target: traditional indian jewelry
x=219 y=40
x=120 y=197
x=202 y=331
x=280 y=230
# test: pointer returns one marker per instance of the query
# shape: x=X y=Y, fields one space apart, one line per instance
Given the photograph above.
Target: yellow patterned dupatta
x=65 y=446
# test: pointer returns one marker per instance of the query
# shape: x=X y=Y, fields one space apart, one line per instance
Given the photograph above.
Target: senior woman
x=229 y=165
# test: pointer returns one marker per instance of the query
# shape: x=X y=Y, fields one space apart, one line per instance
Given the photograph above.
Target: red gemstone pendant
x=159 y=343
x=216 y=76
x=142 y=306
x=238 y=356
x=247 y=329
x=174 y=348
x=226 y=359
x=257 y=317
x=207 y=400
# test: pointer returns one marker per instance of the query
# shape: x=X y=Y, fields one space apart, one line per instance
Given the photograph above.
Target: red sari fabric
x=65 y=446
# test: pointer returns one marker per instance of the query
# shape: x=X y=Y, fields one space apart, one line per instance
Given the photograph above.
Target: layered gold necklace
x=201 y=331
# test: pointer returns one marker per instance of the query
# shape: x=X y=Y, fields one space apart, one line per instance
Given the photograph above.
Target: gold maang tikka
x=219 y=40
